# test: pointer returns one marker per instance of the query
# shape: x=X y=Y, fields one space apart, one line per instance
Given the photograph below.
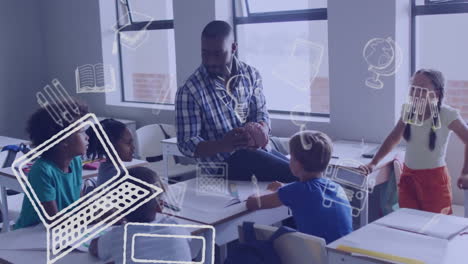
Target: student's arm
x=267 y=201
x=460 y=128
x=390 y=142
x=50 y=207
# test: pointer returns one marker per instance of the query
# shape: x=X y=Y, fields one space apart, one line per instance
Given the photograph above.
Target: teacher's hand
x=234 y=139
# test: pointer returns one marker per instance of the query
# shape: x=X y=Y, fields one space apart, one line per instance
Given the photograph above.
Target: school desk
x=196 y=207
x=375 y=243
x=8 y=180
x=4 y=141
x=35 y=251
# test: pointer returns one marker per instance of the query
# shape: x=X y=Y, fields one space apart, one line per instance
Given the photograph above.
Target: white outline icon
x=91 y=78
x=163 y=93
x=414 y=110
x=306 y=144
x=242 y=96
x=212 y=178
x=130 y=39
x=304 y=55
x=364 y=187
x=256 y=190
x=68 y=229
x=174 y=196
x=205 y=245
x=434 y=220
x=57 y=110
x=384 y=62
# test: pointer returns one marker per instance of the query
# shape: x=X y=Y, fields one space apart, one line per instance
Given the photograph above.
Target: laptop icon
x=108 y=203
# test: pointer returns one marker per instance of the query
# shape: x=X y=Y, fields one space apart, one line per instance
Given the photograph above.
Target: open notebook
x=438 y=226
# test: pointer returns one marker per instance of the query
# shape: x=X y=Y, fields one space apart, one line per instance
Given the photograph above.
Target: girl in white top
x=425 y=183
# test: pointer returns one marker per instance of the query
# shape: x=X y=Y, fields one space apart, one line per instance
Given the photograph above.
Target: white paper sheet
x=435 y=225
x=398 y=243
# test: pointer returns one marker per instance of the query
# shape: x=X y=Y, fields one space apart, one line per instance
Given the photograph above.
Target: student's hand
x=235 y=139
x=251 y=203
x=462 y=181
x=274 y=186
x=367 y=169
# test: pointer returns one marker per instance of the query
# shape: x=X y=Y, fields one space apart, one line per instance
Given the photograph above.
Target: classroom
x=234 y=131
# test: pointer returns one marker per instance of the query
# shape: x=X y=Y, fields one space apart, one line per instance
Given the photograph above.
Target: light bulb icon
x=383 y=57
x=240 y=90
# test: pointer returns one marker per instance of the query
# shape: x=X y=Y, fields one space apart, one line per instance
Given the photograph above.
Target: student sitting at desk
x=56 y=175
x=425 y=183
x=122 y=140
x=109 y=246
x=310 y=155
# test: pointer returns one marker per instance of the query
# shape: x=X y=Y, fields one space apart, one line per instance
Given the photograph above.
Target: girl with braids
x=425 y=183
x=122 y=140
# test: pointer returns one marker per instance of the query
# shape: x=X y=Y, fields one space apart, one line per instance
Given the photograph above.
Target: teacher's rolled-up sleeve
x=258 y=107
x=188 y=122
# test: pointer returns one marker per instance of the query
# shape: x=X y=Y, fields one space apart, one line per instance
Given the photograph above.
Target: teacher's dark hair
x=217 y=29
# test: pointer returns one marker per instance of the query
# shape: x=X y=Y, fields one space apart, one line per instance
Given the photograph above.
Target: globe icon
x=383 y=57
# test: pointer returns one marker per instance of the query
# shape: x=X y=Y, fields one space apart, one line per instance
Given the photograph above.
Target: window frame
x=313 y=14
x=163 y=24
x=432 y=8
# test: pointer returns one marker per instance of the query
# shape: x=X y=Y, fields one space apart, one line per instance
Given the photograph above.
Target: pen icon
x=60 y=103
x=256 y=190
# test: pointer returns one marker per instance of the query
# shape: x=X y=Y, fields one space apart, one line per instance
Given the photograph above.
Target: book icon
x=92 y=78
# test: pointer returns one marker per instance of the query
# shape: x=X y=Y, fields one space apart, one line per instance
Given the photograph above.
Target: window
x=439 y=42
x=146 y=49
x=287 y=41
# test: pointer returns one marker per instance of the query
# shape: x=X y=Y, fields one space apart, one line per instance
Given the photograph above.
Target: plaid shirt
x=206 y=111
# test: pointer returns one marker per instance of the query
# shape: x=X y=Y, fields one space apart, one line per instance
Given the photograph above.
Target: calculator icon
x=212 y=178
x=350 y=185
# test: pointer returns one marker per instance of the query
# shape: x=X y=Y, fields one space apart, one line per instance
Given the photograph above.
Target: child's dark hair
x=312 y=149
x=146 y=212
x=41 y=126
x=438 y=80
x=114 y=130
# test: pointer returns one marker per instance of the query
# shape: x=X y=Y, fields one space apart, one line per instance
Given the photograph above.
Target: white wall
x=72 y=38
x=21 y=64
x=356 y=110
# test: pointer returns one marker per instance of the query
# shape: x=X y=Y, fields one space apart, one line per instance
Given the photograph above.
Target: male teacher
x=214 y=106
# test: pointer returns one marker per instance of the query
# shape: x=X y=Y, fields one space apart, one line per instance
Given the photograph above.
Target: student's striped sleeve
x=258 y=107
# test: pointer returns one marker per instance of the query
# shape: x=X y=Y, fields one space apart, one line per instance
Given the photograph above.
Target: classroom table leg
x=209 y=257
x=364 y=214
x=166 y=167
x=466 y=203
x=223 y=251
x=4 y=205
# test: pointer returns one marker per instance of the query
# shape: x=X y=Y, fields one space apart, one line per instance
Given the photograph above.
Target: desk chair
x=149 y=148
x=94 y=212
x=293 y=248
